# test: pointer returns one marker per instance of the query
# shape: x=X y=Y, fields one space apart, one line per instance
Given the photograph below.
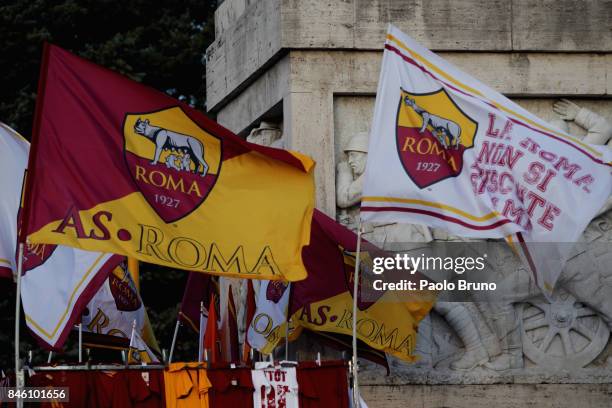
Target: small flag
x=198 y=290
x=115 y=308
x=211 y=337
x=13 y=162
x=268 y=325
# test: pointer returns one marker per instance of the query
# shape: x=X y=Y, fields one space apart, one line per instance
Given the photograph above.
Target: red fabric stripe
x=251 y=307
x=31 y=172
x=6 y=273
x=211 y=337
x=199 y=288
x=442 y=217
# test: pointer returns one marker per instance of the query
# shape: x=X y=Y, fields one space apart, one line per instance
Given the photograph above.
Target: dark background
x=159 y=43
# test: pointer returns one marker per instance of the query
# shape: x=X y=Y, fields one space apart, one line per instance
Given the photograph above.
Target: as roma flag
x=324 y=301
x=118 y=167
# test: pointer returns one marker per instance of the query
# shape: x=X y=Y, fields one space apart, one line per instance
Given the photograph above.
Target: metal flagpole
x=287 y=336
x=133 y=334
x=287 y=327
x=134 y=271
x=129 y=352
x=80 y=342
x=355 y=295
x=19 y=376
x=176 y=329
x=201 y=334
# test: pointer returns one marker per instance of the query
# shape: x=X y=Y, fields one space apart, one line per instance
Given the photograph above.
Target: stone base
x=484 y=376
x=487 y=396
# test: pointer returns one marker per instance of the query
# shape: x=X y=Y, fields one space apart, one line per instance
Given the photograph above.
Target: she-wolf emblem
x=165 y=139
x=444 y=128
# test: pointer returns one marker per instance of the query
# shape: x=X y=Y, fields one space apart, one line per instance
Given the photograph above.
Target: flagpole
x=176 y=329
x=287 y=326
x=80 y=342
x=201 y=334
x=287 y=336
x=134 y=271
x=19 y=378
x=127 y=361
x=355 y=295
x=23 y=228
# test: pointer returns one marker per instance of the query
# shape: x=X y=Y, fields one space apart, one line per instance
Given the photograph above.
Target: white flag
x=268 y=325
x=57 y=282
x=449 y=152
x=114 y=310
x=13 y=161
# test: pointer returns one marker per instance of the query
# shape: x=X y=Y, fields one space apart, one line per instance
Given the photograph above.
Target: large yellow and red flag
x=323 y=302
x=118 y=167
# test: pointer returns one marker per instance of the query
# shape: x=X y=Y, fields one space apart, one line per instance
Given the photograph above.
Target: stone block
x=562 y=25
x=482 y=396
x=515 y=74
x=256 y=100
x=537 y=74
x=253 y=34
x=317 y=23
x=227 y=13
x=242 y=51
x=437 y=24
x=308 y=128
x=336 y=71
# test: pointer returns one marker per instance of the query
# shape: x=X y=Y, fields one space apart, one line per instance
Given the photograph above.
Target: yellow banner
x=386 y=325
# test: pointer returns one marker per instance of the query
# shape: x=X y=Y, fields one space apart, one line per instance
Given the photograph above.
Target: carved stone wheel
x=562 y=335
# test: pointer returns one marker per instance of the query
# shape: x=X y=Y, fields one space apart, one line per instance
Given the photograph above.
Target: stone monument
x=312 y=66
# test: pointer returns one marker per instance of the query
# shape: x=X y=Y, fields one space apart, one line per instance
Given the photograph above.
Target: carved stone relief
x=488 y=339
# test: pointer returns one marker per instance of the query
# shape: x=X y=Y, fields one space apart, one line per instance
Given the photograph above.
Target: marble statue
x=599 y=130
x=267 y=134
x=349 y=179
x=349 y=184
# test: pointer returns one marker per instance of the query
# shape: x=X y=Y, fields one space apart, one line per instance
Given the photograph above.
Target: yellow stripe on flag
x=448 y=208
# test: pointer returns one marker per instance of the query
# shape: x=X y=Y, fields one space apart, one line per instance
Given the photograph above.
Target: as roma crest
x=34 y=255
x=123 y=289
x=276 y=290
x=432 y=135
x=173 y=161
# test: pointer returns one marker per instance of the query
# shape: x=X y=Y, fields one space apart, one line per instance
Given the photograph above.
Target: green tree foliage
x=159 y=43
